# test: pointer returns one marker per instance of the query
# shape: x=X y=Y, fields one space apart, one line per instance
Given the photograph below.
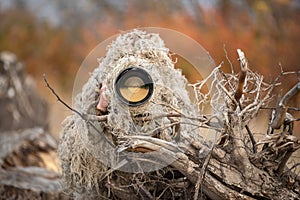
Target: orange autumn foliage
x=59 y=50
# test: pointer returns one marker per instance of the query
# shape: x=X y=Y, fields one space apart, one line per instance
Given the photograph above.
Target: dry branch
x=30 y=183
x=82 y=115
x=282 y=107
x=220 y=179
x=244 y=68
x=239 y=92
x=201 y=175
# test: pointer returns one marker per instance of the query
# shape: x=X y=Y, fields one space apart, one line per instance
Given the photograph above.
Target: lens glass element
x=134 y=86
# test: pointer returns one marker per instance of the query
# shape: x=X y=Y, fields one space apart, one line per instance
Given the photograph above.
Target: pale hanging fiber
x=81 y=149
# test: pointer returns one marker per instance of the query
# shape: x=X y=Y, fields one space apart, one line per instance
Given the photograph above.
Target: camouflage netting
x=91 y=167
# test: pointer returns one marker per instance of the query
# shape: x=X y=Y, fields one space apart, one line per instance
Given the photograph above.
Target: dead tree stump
x=28 y=160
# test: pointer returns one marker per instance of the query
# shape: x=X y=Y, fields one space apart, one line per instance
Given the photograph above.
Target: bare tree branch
x=242 y=77
x=83 y=116
x=201 y=175
x=282 y=106
x=239 y=91
x=228 y=60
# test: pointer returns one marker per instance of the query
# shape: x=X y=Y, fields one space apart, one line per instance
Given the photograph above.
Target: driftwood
x=281 y=111
x=30 y=183
x=28 y=160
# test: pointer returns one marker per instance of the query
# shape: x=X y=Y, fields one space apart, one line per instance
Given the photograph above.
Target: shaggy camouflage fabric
x=90 y=165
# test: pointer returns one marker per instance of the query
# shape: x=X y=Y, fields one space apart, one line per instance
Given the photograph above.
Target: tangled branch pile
x=111 y=156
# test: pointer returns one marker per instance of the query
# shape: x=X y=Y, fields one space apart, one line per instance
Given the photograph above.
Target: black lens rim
x=129 y=72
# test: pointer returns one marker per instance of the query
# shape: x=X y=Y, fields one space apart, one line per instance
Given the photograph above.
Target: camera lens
x=134 y=86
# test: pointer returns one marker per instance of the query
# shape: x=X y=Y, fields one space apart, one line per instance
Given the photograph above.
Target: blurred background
x=54 y=37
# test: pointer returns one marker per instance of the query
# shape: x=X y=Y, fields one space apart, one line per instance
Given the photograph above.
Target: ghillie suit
x=81 y=148
x=28 y=159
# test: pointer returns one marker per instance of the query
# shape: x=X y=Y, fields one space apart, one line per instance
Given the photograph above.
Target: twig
x=200 y=97
x=230 y=64
x=139 y=139
x=282 y=108
x=290 y=94
x=244 y=68
x=204 y=120
x=273 y=85
x=228 y=94
x=294 y=166
x=149 y=118
x=227 y=80
x=284 y=161
x=254 y=146
x=273 y=108
x=60 y=100
x=201 y=175
x=83 y=116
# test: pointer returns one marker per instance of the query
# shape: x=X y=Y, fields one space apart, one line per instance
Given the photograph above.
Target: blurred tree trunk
x=28 y=160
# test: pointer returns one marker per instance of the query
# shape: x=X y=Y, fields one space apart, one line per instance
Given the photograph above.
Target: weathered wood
x=27 y=150
x=13 y=141
x=282 y=107
x=21 y=106
x=224 y=178
x=30 y=183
